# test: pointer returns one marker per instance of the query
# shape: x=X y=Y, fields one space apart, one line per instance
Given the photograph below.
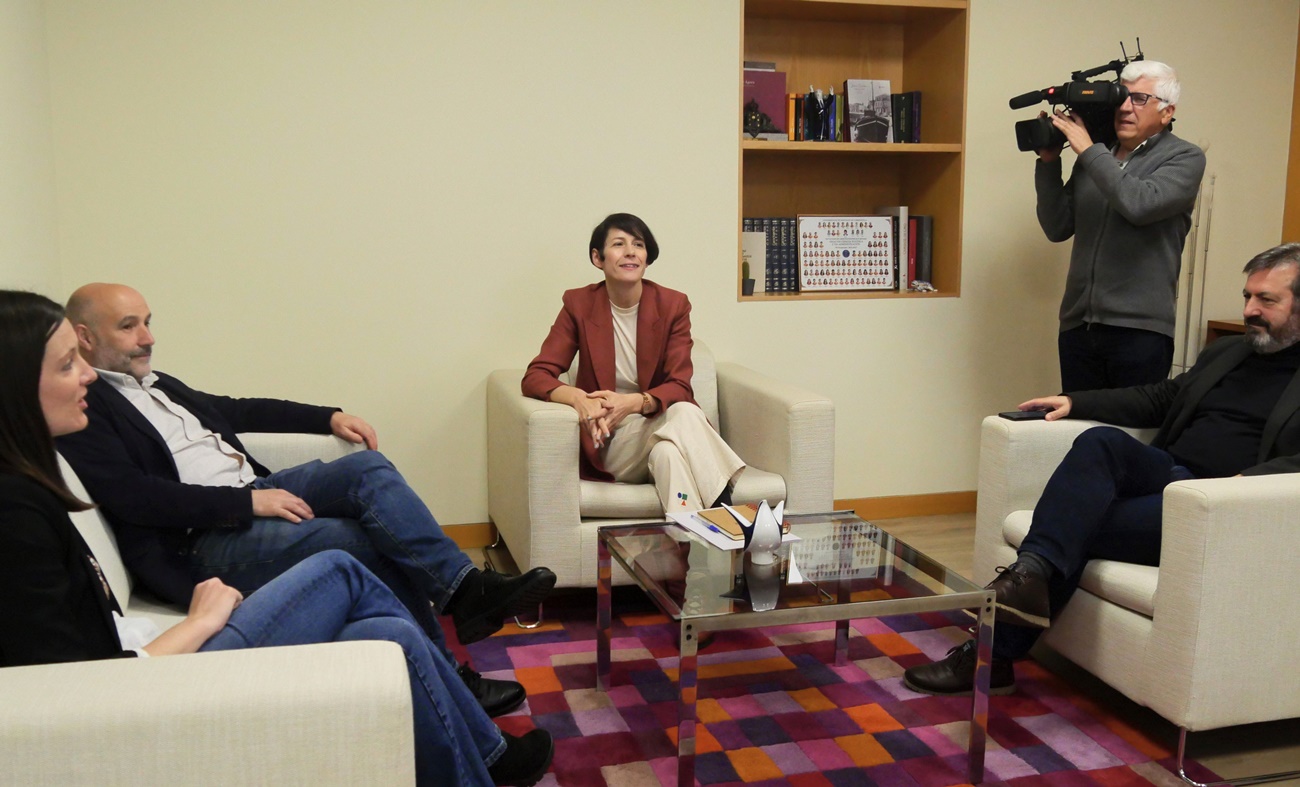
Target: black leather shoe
x=525 y=760
x=498 y=697
x=482 y=607
x=954 y=675
x=1022 y=596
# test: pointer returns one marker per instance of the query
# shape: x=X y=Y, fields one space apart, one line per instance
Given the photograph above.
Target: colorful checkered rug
x=774 y=711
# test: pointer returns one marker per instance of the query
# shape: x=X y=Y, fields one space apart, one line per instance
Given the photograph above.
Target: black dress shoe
x=954 y=675
x=1022 y=598
x=498 y=697
x=525 y=760
x=481 y=608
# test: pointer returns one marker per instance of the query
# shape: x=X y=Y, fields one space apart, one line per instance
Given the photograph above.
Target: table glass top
x=838 y=559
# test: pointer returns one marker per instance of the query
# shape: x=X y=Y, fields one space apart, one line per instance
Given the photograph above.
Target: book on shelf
x=907 y=116
x=915 y=107
x=763 y=103
x=869 y=112
x=759 y=65
x=910 y=277
x=924 y=248
x=753 y=250
x=898 y=218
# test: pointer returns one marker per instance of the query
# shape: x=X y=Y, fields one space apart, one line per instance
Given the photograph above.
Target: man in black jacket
x=1236 y=412
x=187 y=502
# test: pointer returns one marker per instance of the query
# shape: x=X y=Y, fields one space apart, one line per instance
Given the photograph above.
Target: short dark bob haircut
x=27 y=321
x=632 y=226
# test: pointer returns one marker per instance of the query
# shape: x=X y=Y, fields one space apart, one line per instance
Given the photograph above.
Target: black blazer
x=128 y=470
x=1171 y=404
x=53 y=605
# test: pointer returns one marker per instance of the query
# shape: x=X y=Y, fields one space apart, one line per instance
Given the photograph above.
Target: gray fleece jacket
x=1129 y=225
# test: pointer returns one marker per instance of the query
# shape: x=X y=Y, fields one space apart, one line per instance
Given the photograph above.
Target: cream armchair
x=548 y=516
x=1206 y=639
x=338 y=713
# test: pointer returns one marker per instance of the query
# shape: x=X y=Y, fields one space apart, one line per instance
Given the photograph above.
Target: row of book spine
x=913 y=244
x=781 y=263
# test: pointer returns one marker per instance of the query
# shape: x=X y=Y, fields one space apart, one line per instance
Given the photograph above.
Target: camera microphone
x=1027 y=99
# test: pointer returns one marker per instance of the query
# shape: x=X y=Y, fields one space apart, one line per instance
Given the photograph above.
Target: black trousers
x=1096 y=356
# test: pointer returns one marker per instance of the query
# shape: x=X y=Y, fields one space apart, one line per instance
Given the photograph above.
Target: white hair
x=1166 y=79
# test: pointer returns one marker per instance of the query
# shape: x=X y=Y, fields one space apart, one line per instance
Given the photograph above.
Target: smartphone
x=1025 y=415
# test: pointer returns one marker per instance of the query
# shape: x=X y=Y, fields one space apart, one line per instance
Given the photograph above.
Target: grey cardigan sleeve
x=1055 y=201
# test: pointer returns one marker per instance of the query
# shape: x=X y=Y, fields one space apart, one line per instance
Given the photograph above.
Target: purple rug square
x=548 y=702
x=815 y=671
x=742 y=707
x=801 y=726
x=775 y=702
x=576 y=676
x=641 y=718
x=848 y=695
x=763 y=731
x=659 y=691
x=714 y=768
x=729 y=734
x=789 y=758
x=560 y=725
x=928 y=771
x=1071 y=743
x=826 y=754
x=837 y=723
x=903 y=745
x=601 y=721
x=1043 y=758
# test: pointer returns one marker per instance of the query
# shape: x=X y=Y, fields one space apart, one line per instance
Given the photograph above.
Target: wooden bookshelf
x=916 y=45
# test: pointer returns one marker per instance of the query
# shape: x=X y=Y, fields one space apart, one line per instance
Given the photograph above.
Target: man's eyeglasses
x=1141 y=99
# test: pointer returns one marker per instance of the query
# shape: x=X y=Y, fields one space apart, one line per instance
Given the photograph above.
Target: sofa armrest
x=279 y=451
x=1016 y=459
x=533 y=445
x=1227 y=572
x=316 y=714
x=782 y=428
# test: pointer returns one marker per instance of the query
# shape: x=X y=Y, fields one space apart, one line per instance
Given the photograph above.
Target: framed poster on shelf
x=847 y=253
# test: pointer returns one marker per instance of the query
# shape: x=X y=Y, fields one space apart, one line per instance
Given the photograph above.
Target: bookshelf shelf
x=849 y=148
x=916 y=45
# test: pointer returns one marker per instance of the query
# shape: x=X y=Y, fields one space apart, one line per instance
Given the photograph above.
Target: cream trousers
x=689 y=461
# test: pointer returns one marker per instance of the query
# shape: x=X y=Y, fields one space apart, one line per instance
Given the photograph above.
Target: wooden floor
x=1236 y=752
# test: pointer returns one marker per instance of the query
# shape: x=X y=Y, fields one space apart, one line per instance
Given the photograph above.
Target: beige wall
x=28 y=253
x=375 y=204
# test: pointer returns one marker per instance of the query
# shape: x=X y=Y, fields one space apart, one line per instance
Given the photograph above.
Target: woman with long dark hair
x=56 y=606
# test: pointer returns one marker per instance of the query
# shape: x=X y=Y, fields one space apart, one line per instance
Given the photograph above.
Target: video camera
x=1094 y=102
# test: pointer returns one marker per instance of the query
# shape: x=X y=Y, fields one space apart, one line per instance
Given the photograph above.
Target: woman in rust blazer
x=638 y=416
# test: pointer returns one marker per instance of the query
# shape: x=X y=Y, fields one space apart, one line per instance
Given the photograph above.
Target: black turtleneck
x=1223 y=436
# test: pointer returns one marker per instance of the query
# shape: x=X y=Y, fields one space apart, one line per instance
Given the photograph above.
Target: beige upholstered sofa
x=1208 y=638
x=548 y=516
x=319 y=714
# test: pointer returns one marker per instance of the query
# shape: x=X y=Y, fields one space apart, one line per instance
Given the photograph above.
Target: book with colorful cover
x=764 y=105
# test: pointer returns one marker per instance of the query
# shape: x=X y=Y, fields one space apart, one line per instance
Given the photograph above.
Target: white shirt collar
x=120 y=381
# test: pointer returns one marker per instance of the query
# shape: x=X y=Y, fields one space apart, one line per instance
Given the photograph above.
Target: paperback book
x=869 y=115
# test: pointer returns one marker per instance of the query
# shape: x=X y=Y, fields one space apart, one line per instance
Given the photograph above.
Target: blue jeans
x=362 y=506
x=1103 y=501
x=330 y=597
x=1099 y=356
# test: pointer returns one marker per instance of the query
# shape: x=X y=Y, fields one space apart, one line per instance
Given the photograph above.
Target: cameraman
x=1129 y=209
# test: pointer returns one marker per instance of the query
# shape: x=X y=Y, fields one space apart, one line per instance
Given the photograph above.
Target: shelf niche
x=916 y=46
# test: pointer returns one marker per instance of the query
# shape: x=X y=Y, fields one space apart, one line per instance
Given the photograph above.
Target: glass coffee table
x=841 y=568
